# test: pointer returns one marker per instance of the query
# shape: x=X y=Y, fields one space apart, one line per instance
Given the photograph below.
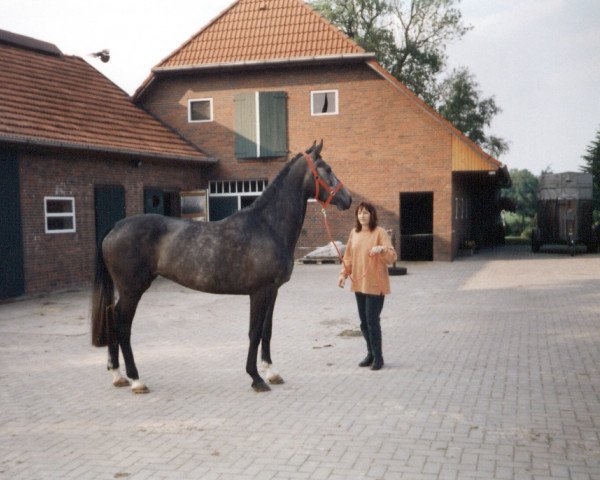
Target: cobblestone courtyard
x=492 y=372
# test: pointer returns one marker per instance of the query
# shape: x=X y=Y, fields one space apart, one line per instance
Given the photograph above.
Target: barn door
x=416 y=226
x=109 y=206
x=12 y=280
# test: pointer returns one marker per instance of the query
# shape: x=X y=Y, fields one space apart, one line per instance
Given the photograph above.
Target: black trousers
x=369 y=311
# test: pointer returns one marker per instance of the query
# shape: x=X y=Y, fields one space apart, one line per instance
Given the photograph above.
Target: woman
x=368 y=251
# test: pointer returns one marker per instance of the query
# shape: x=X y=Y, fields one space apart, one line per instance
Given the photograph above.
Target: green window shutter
x=245 y=125
x=273 y=124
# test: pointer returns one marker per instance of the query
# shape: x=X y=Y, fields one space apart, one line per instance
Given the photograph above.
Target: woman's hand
x=341 y=280
x=377 y=249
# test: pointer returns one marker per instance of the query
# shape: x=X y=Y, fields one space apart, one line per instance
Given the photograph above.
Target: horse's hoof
x=260 y=387
x=276 y=380
x=121 y=382
x=138 y=387
x=142 y=389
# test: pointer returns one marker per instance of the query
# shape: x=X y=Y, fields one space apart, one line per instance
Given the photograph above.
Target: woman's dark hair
x=372 y=219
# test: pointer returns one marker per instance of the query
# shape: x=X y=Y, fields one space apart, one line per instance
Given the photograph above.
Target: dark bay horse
x=249 y=253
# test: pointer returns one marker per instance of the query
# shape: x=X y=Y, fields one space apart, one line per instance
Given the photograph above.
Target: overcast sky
x=540 y=59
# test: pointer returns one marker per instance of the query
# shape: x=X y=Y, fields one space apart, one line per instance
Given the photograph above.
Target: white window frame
x=70 y=214
x=210 y=102
x=312 y=102
x=237 y=188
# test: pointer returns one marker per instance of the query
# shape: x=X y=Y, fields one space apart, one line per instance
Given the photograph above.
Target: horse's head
x=326 y=188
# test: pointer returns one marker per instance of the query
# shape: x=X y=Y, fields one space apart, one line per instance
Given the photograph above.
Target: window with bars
x=228 y=196
x=234 y=187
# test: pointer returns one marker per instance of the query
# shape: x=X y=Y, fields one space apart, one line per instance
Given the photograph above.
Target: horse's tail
x=103 y=298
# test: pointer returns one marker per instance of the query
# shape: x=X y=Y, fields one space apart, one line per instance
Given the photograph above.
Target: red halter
x=320 y=181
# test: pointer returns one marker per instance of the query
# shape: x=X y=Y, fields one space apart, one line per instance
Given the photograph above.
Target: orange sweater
x=369 y=273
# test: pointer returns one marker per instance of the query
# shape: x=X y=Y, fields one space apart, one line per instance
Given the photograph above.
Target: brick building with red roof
x=76 y=155
x=267 y=77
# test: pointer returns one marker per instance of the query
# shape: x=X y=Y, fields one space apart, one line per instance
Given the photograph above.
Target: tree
x=409 y=39
x=592 y=165
x=524 y=192
x=424 y=27
x=367 y=22
x=462 y=105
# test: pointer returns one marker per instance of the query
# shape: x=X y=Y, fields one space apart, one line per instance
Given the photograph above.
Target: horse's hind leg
x=118 y=379
x=272 y=376
x=125 y=311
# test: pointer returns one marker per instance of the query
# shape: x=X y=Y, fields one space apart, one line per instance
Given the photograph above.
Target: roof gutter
x=43 y=142
x=277 y=62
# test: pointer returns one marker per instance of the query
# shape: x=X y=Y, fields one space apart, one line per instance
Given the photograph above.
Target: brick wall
x=59 y=260
x=379 y=145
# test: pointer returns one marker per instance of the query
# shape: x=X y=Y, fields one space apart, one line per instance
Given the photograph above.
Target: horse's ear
x=318 y=148
x=312 y=147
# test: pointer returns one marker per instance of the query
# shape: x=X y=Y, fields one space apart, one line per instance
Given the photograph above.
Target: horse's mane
x=275 y=186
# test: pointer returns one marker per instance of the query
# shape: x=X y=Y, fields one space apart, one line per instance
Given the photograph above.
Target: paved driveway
x=492 y=371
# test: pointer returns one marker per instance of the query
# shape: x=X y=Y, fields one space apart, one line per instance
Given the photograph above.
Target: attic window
x=324 y=102
x=200 y=110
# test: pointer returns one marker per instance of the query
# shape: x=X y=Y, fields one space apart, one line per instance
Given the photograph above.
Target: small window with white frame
x=59 y=214
x=200 y=110
x=324 y=102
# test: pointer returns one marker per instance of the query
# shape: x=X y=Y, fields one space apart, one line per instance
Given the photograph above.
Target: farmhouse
x=76 y=155
x=267 y=77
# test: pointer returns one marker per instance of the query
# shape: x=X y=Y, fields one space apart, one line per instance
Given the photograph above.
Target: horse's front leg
x=272 y=376
x=259 y=304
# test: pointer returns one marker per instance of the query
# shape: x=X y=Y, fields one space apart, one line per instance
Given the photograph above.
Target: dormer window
x=324 y=102
x=200 y=110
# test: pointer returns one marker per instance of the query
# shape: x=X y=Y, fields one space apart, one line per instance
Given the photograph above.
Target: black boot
x=375 y=335
x=368 y=360
x=377 y=364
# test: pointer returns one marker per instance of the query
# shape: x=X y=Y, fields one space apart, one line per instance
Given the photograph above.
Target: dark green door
x=12 y=281
x=109 y=205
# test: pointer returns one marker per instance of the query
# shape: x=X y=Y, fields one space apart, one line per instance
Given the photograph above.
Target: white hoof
x=139 y=387
x=118 y=380
x=272 y=376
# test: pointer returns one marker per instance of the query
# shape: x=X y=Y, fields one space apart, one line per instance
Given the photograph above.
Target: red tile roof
x=50 y=99
x=259 y=30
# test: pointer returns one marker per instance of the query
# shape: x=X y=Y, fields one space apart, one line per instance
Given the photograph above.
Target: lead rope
x=332 y=193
